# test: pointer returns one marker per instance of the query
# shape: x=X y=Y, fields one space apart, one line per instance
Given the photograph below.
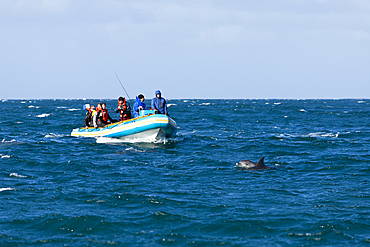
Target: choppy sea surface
x=60 y=190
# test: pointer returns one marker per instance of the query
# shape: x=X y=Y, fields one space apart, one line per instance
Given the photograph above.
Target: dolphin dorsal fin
x=260 y=163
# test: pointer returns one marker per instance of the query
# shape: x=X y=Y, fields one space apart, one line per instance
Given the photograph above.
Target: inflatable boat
x=147 y=127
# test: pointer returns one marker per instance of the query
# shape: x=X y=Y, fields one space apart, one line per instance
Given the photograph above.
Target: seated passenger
x=105 y=115
x=139 y=105
x=89 y=115
x=124 y=109
x=98 y=116
x=98 y=107
x=159 y=104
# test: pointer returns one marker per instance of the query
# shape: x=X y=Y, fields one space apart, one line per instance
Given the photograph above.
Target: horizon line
x=353 y=98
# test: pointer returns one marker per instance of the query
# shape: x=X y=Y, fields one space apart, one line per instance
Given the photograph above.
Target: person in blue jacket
x=139 y=105
x=159 y=104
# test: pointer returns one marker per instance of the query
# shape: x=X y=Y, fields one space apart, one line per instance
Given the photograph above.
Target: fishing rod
x=123 y=87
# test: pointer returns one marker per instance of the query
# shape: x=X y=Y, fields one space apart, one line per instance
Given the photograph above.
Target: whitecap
x=61 y=107
x=168 y=105
x=285 y=136
x=31 y=106
x=277 y=103
x=323 y=134
x=8 y=141
x=329 y=135
x=316 y=134
x=4 y=100
x=205 y=104
x=17 y=175
x=5 y=189
x=52 y=135
x=73 y=109
x=185 y=101
x=4 y=156
x=302 y=110
x=361 y=101
x=43 y=115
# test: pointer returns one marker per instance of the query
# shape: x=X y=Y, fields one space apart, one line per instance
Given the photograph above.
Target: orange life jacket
x=105 y=115
x=122 y=107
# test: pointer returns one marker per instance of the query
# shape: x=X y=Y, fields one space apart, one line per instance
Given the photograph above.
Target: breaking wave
x=17 y=175
x=5 y=189
x=44 y=115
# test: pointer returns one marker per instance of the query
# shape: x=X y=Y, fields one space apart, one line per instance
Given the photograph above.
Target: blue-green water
x=60 y=190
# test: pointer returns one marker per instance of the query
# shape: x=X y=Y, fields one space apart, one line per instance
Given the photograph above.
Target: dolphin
x=250 y=165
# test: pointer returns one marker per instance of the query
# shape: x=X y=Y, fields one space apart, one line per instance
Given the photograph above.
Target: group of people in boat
x=99 y=116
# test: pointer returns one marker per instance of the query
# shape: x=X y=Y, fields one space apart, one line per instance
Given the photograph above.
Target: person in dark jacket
x=124 y=109
x=139 y=105
x=103 y=115
x=98 y=116
x=89 y=115
x=159 y=104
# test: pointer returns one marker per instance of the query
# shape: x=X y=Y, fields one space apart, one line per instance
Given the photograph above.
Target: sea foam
x=43 y=115
x=17 y=175
x=52 y=135
x=5 y=189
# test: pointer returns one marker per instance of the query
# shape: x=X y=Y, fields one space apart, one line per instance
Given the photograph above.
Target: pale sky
x=186 y=48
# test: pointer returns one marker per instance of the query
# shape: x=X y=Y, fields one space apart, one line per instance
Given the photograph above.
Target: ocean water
x=58 y=190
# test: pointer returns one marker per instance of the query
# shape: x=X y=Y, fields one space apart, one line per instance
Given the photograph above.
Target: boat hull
x=155 y=126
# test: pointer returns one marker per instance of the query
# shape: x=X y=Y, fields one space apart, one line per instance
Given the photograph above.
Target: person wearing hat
x=159 y=104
